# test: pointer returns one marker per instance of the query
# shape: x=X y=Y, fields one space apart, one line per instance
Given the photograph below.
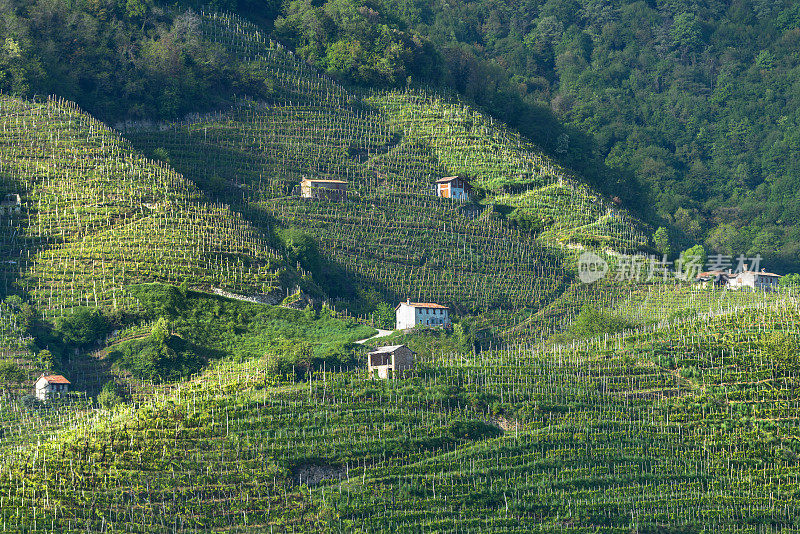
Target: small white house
x=49 y=386
x=756 y=280
x=410 y=314
x=454 y=187
x=389 y=360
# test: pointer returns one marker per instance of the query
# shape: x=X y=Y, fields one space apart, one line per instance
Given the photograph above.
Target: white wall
x=405 y=316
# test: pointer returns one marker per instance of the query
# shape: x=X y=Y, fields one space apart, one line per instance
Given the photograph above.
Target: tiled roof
x=388 y=349
x=449 y=179
x=424 y=305
x=714 y=274
x=761 y=273
x=56 y=379
x=314 y=180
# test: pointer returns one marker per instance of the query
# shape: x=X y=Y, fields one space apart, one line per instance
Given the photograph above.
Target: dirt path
x=381 y=333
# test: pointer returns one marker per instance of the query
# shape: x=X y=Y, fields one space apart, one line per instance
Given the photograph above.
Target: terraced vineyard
x=392 y=232
x=515 y=173
x=690 y=426
x=95 y=217
x=637 y=303
x=263 y=419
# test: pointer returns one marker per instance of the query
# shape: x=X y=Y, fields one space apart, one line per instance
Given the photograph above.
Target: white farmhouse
x=410 y=314
x=49 y=386
x=756 y=280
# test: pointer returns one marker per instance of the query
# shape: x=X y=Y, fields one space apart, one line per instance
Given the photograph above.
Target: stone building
x=388 y=361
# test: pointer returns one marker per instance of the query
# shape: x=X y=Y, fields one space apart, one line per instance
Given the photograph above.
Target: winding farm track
x=381 y=333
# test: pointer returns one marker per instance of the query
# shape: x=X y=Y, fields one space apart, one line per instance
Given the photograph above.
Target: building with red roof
x=49 y=386
x=410 y=314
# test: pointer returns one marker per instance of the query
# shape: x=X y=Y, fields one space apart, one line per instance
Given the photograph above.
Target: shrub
x=82 y=328
x=45 y=359
x=591 y=322
x=160 y=300
x=384 y=316
x=160 y=356
x=110 y=395
x=30 y=402
x=472 y=430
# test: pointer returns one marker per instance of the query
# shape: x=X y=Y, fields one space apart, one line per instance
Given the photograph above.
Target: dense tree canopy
x=118 y=58
x=700 y=101
x=690 y=108
x=353 y=41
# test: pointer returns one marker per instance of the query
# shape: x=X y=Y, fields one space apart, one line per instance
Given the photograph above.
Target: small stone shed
x=335 y=190
x=390 y=360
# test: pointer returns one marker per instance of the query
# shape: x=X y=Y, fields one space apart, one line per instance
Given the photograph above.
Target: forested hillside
x=696 y=101
x=691 y=108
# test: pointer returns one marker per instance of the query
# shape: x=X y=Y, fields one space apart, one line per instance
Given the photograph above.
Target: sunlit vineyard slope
x=688 y=428
x=93 y=217
x=393 y=233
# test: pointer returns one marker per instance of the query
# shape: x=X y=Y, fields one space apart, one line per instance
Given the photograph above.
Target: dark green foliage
x=27 y=316
x=120 y=59
x=661 y=241
x=692 y=261
x=30 y=402
x=465 y=334
x=354 y=41
x=111 y=395
x=209 y=328
x=472 y=430
x=688 y=111
x=385 y=316
x=160 y=300
x=81 y=328
x=684 y=112
x=161 y=356
x=11 y=375
x=526 y=221
x=45 y=359
x=591 y=322
x=302 y=248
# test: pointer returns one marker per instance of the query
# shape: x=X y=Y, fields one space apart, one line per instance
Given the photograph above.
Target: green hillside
x=690 y=428
x=393 y=234
x=214 y=325
x=686 y=110
x=636 y=304
x=94 y=217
